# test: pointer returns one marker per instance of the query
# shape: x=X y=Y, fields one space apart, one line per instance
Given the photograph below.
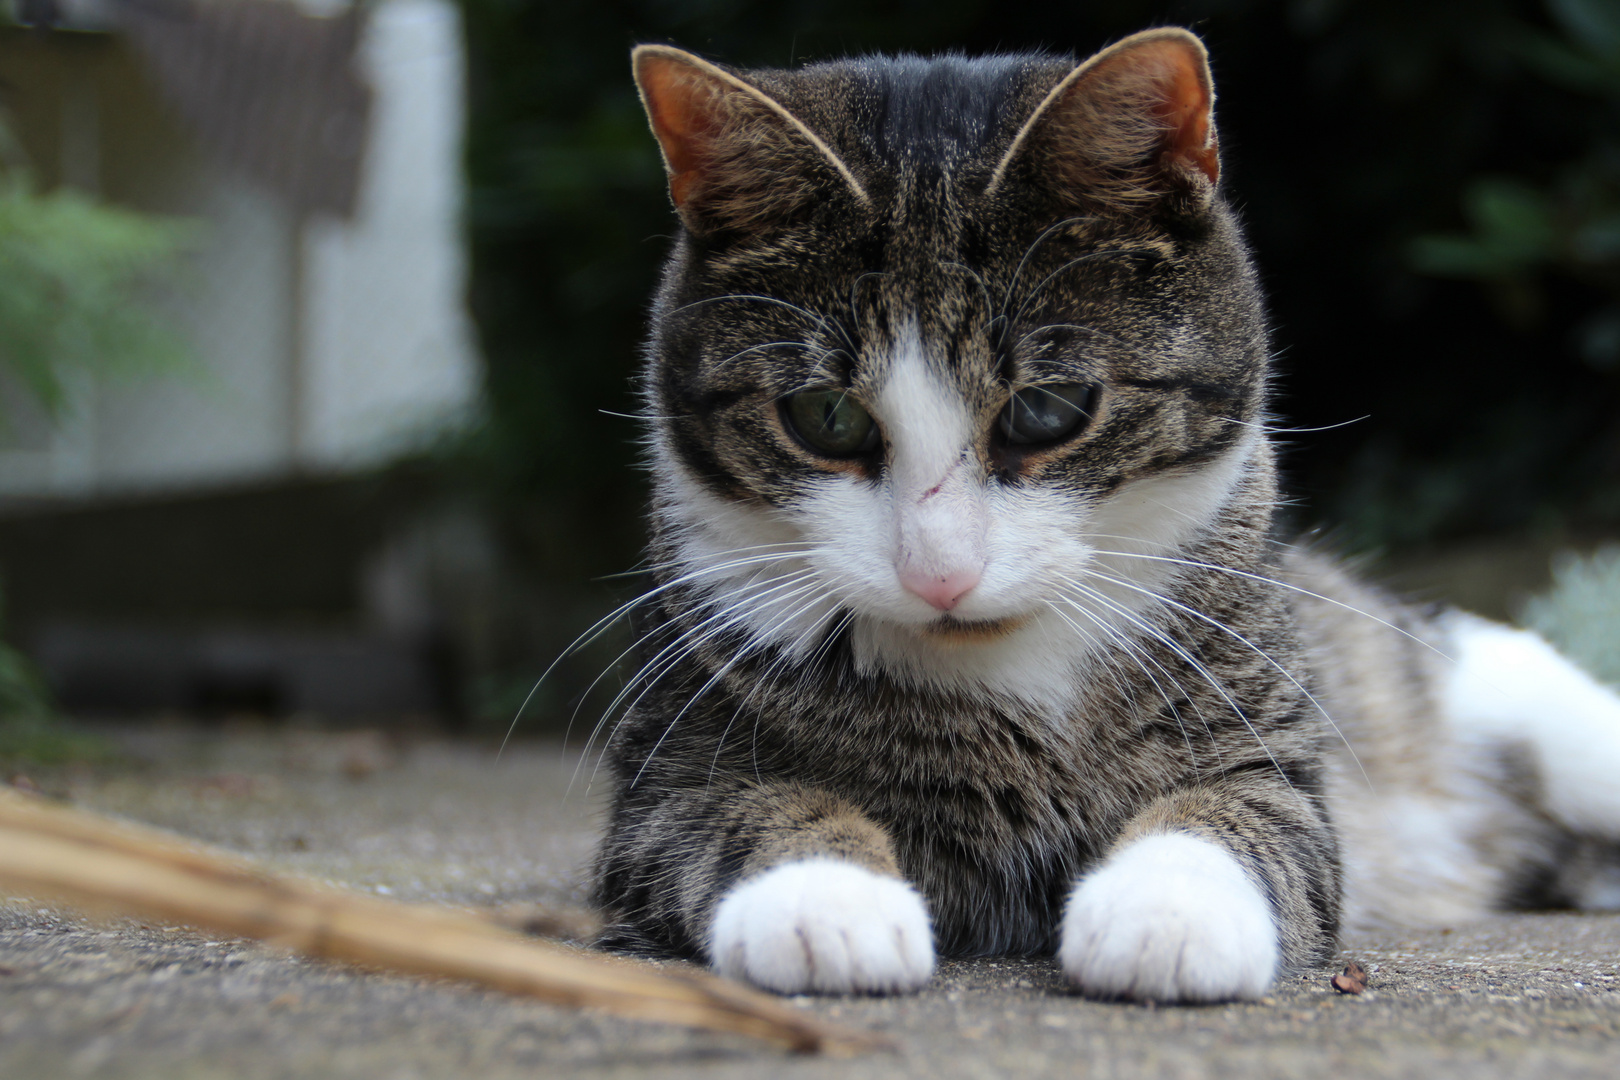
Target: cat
x=971 y=630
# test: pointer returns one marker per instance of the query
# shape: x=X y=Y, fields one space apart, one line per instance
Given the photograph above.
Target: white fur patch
x=924 y=419
x=824 y=925
x=1081 y=574
x=1511 y=686
x=756 y=564
x=1170 y=918
x=937 y=497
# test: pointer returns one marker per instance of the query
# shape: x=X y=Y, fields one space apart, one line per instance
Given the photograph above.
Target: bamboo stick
x=97 y=862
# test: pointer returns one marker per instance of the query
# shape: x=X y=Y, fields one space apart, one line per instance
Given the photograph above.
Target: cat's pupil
x=1047 y=414
x=831 y=422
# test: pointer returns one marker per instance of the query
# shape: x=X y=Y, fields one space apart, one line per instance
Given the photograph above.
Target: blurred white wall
x=387 y=340
x=321 y=344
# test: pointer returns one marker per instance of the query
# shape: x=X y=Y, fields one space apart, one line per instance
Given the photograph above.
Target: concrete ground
x=1519 y=996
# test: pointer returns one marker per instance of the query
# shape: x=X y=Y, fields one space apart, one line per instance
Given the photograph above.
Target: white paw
x=823 y=925
x=1169 y=918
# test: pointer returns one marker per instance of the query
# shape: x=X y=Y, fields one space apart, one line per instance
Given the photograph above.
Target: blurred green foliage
x=78 y=277
x=1523 y=230
x=74 y=271
x=23 y=698
x=31 y=731
x=75 y=290
x=1580 y=613
x=1430 y=189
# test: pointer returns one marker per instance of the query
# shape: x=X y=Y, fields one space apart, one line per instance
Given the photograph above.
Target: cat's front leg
x=1169 y=918
x=819 y=904
x=782 y=885
x=824 y=925
x=1204 y=907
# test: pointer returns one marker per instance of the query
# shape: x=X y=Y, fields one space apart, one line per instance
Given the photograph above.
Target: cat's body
x=970 y=630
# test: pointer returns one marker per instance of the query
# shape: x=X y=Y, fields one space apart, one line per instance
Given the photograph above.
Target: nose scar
x=935 y=490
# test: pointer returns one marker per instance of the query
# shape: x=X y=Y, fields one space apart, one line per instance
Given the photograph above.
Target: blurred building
x=320 y=156
x=175 y=536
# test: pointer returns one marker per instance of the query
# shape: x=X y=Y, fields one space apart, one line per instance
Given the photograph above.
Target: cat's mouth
x=956 y=631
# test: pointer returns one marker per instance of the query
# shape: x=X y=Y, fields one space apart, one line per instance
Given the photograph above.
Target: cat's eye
x=1047 y=414
x=831 y=422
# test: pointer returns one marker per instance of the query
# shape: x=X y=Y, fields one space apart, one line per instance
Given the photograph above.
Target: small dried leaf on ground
x=1352 y=980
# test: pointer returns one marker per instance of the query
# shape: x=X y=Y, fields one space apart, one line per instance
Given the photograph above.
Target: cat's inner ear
x=1127 y=128
x=737 y=159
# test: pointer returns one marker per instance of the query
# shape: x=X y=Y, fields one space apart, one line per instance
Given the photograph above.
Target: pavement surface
x=1533 y=995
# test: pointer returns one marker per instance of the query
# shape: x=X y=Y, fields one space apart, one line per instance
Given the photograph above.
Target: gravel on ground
x=432 y=820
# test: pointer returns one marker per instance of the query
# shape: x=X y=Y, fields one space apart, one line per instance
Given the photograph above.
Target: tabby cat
x=971 y=633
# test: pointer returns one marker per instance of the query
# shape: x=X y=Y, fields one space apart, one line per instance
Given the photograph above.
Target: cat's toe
x=1170 y=918
x=826 y=926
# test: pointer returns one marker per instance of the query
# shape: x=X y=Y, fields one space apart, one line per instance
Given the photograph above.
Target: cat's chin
x=951 y=631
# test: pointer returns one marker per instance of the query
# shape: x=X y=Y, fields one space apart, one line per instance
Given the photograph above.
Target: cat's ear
x=1128 y=129
x=737 y=159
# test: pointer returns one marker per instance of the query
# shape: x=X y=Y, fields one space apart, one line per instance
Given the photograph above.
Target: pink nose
x=943 y=591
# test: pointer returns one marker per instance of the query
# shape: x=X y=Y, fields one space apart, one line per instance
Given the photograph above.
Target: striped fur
x=1136 y=662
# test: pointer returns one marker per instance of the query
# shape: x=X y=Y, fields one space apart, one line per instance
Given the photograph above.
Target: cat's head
x=952 y=355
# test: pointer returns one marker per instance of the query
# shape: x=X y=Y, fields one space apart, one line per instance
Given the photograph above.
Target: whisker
x=1262 y=654
x=821 y=320
x=742 y=596
x=748 y=596
x=786 y=658
x=1198 y=666
x=1199 y=565
x=604 y=624
x=1137 y=655
x=1018 y=272
x=763 y=346
x=1071 y=264
x=827 y=640
x=1269 y=430
x=670 y=654
x=1141 y=657
x=793 y=547
x=720 y=673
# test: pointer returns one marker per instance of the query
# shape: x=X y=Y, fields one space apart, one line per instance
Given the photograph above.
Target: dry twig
x=100 y=863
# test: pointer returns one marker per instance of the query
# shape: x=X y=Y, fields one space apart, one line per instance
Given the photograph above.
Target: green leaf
x=1598 y=241
x=1573 y=68
x=1512 y=216
x=80 y=282
x=1515 y=230
x=1594 y=24
x=1599 y=339
x=1455 y=256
